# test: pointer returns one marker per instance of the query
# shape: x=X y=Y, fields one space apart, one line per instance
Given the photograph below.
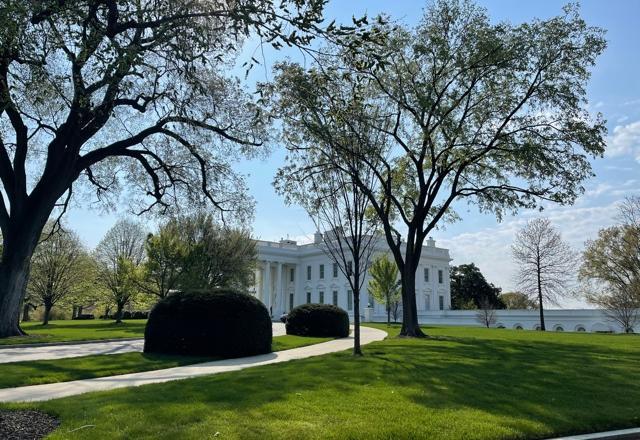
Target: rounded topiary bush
x=322 y=320
x=221 y=323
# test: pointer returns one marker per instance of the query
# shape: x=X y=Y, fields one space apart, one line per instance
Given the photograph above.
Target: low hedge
x=128 y=315
x=219 y=323
x=321 y=320
x=84 y=316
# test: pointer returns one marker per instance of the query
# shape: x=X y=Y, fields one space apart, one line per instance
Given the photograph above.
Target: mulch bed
x=26 y=424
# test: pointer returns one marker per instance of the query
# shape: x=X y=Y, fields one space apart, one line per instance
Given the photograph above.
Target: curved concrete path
x=63 y=389
x=46 y=352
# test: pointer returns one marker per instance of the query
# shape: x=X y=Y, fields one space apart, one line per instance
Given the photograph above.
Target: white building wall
x=285 y=255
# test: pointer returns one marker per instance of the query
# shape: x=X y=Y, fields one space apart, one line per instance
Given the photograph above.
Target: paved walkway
x=57 y=390
x=622 y=434
x=47 y=352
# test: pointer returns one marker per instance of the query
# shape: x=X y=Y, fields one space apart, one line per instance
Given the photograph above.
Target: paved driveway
x=56 y=390
x=87 y=349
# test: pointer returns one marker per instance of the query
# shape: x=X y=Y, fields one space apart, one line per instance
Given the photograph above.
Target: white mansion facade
x=290 y=274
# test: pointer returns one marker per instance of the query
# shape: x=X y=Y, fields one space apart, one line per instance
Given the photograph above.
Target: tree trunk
x=19 y=238
x=47 y=312
x=410 y=325
x=357 y=350
x=388 y=313
x=13 y=283
x=25 y=312
x=542 y=327
x=119 y=313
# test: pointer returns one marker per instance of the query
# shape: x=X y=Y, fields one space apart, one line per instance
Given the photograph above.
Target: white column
x=266 y=285
x=278 y=294
x=297 y=292
x=258 y=282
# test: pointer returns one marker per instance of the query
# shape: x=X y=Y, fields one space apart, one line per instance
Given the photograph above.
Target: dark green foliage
x=220 y=323
x=470 y=290
x=126 y=315
x=84 y=316
x=318 y=320
x=135 y=315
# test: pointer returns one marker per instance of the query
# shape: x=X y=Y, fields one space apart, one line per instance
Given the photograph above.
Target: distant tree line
x=130 y=268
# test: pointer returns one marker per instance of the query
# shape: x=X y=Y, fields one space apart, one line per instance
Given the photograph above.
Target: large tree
x=60 y=269
x=129 y=94
x=119 y=257
x=470 y=289
x=546 y=264
x=610 y=269
x=487 y=113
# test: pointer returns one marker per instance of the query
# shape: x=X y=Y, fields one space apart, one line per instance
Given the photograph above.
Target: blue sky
x=614 y=91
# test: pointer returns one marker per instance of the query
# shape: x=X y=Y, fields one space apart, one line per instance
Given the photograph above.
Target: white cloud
x=625 y=140
x=622 y=119
x=490 y=248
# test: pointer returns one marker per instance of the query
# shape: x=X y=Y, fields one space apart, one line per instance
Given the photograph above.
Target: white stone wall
x=589 y=320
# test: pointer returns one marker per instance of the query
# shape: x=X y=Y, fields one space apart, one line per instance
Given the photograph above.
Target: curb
x=621 y=434
x=53 y=344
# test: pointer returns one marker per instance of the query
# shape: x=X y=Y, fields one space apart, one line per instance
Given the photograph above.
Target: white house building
x=290 y=274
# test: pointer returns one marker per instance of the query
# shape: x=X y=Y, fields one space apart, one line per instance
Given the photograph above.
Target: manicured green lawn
x=288 y=342
x=62 y=370
x=63 y=331
x=461 y=383
x=19 y=374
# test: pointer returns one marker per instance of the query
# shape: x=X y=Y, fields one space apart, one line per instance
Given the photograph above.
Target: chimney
x=317 y=238
x=431 y=242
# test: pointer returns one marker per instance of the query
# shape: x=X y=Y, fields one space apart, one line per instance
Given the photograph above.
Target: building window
x=349 y=268
x=426 y=274
x=308 y=297
x=440 y=277
x=427 y=301
x=335 y=297
x=441 y=302
x=321 y=298
x=290 y=301
x=335 y=270
x=349 y=300
x=292 y=274
x=308 y=272
x=322 y=271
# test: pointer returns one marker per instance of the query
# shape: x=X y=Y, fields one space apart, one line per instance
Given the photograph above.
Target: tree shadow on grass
x=527 y=389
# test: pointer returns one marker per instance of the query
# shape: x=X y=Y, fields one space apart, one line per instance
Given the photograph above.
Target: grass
x=461 y=383
x=18 y=374
x=65 y=331
x=288 y=342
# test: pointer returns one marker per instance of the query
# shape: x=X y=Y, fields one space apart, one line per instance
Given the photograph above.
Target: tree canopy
x=61 y=268
x=610 y=270
x=493 y=114
x=131 y=98
x=470 y=289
